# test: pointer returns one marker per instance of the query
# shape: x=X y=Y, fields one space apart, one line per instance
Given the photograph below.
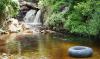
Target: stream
x=46 y=46
x=36 y=45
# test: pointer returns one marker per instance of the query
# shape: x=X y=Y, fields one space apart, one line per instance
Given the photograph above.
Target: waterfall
x=37 y=19
x=32 y=20
x=30 y=16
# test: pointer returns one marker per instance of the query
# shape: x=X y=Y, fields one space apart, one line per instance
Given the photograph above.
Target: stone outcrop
x=13 y=25
x=24 y=8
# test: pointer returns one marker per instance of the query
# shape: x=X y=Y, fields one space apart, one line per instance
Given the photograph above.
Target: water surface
x=49 y=47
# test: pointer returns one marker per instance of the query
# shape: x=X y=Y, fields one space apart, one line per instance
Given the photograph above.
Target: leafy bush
x=84 y=18
x=53 y=5
x=55 y=20
x=8 y=8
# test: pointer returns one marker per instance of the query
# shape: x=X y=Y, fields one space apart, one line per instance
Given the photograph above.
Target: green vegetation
x=83 y=16
x=8 y=8
x=55 y=20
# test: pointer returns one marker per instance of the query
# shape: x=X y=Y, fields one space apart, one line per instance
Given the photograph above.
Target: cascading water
x=37 y=21
x=32 y=20
x=30 y=16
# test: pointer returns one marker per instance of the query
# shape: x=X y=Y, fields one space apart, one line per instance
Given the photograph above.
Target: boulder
x=14 y=26
x=24 y=8
x=29 y=5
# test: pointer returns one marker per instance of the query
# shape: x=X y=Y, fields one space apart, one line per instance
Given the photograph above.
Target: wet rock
x=50 y=31
x=2 y=32
x=44 y=31
x=24 y=8
x=29 y=31
x=25 y=26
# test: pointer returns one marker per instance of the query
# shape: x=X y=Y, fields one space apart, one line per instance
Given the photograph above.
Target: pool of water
x=49 y=47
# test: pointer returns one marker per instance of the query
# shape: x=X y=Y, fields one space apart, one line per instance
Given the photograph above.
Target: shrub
x=84 y=18
x=55 y=20
x=8 y=8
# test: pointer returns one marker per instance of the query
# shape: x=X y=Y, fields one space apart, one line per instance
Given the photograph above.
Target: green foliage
x=55 y=20
x=53 y=5
x=57 y=6
x=10 y=7
x=84 y=18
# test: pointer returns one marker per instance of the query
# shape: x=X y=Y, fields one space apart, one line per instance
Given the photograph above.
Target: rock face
x=24 y=8
x=13 y=25
x=66 y=9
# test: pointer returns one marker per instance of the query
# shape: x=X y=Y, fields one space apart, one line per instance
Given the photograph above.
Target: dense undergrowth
x=8 y=8
x=82 y=17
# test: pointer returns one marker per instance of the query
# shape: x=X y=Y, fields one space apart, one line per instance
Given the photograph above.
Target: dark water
x=51 y=47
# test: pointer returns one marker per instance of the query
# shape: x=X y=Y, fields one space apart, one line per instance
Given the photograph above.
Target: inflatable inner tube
x=80 y=51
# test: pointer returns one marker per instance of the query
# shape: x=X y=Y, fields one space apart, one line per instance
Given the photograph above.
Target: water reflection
x=46 y=47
